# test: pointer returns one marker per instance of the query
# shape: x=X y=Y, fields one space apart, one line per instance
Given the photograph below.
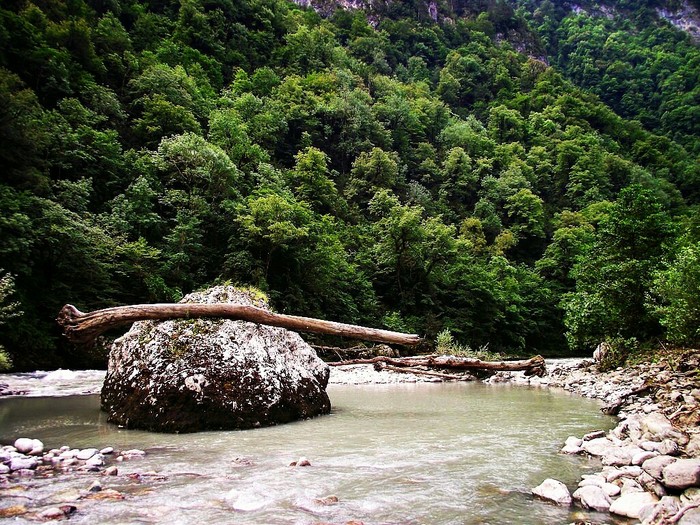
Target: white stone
x=592 y=480
x=632 y=504
x=655 y=466
x=682 y=474
x=592 y=497
x=570 y=449
x=23 y=463
x=597 y=446
x=573 y=441
x=641 y=457
x=611 y=489
x=553 y=490
x=86 y=454
x=657 y=427
x=24 y=445
x=95 y=461
x=107 y=450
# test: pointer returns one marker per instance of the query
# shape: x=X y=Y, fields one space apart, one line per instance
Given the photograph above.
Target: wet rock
x=327 y=500
x=12 y=511
x=598 y=446
x=189 y=375
x=301 y=462
x=29 y=446
x=572 y=445
x=111 y=471
x=592 y=497
x=655 y=466
x=133 y=453
x=594 y=435
x=107 y=451
x=95 y=461
x=553 y=490
x=682 y=474
x=4 y=469
x=95 y=486
x=632 y=504
x=106 y=494
x=86 y=454
x=57 y=513
x=23 y=463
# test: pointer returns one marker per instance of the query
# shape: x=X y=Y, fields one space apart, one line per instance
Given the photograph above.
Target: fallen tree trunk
x=81 y=327
x=533 y=366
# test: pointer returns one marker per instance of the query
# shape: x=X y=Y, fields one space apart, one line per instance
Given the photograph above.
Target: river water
x=392 y=454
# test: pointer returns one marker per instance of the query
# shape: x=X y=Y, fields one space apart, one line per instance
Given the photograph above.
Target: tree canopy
x=395 y=171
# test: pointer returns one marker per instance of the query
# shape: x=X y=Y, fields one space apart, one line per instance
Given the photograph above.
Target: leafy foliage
x=419 y=174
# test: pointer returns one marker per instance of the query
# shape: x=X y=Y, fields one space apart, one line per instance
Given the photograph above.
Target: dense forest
x=525 y=176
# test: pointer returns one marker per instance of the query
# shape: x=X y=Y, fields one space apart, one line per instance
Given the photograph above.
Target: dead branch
x=533 y=366
x=81 y=327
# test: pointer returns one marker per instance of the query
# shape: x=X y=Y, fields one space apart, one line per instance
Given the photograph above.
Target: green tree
x=678 y=291
x=8 y=310
x=613 y=279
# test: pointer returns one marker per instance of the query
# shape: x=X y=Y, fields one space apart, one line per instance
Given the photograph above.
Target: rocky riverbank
x=27 y=460
x=651 y=459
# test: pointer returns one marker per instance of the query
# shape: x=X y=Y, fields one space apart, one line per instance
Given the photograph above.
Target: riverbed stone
x=29 y=446
x=632 y=504
x=86 y=454
x=655 y=466
x=592 y=497
x=640 y=457
x=190 y=375
x=23 y=463
x=553 y=490
x=682 y=474
x=598 y=446
x=657 y=427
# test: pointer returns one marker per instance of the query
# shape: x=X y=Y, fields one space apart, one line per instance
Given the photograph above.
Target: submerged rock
x=190 y=375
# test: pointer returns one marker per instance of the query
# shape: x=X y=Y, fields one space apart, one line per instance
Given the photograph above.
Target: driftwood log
x=534 y=366
x=83 y=328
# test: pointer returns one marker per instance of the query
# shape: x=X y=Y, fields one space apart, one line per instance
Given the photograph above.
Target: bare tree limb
x=532 y=366
x=81 y=327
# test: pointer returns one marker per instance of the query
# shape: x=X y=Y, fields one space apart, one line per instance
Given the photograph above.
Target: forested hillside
x=392 y=170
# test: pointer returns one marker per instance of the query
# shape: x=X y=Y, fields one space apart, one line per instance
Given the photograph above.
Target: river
x=392 y=454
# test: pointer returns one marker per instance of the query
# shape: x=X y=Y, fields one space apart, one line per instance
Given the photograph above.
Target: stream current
x=392 y=454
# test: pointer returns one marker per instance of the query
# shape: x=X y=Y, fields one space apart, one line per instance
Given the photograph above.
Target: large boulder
x=209 y=374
